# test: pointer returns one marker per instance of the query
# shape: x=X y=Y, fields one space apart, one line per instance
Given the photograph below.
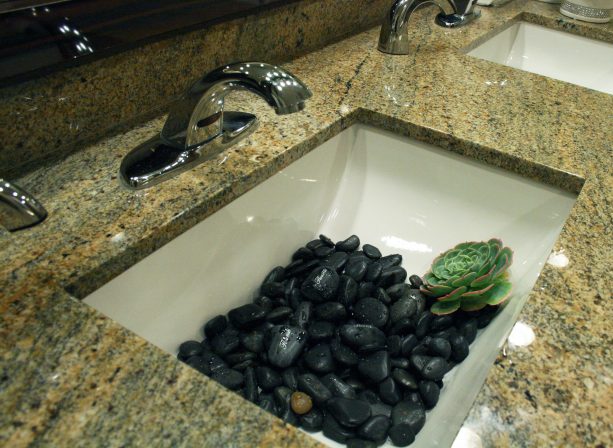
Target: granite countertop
x=73 y=377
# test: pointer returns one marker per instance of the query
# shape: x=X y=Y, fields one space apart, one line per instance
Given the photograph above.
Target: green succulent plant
x=470 y=276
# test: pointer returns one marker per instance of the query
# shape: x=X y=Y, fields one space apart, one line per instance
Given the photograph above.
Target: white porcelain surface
x=556 y=54
x=404 y=196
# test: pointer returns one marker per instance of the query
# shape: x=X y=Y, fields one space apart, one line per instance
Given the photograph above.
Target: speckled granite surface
x=47 y=118
x=71 y=377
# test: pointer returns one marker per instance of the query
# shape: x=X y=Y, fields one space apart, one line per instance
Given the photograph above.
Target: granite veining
x=72 y=377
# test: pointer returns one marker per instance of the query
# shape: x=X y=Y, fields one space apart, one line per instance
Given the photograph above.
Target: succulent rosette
x=470 y=276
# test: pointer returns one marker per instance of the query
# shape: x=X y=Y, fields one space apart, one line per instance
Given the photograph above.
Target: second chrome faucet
x=394 y=38
x=198 y=128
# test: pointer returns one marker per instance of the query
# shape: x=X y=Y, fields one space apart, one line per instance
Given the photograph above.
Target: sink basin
x=402 y=195
x=556 y=54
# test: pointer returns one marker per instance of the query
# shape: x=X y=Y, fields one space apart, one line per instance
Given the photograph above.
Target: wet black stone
x=251 y=385
x=439 y=347
x=356 y=269
x=303 y=267
x=373 y=272
x=314 y=244
x=364 y=338
x=289 y=285
x=405 y=379
x=408 y=344
x=331 y=311
x=279 y=314
x=430 y=368
x=338 y=387
x=355 y=382
x=358 y=255
x=397 y=291
x=282 y=397
x=394 y=345
x=230 y=378
x=215 y=326
x=401 y=363
x=360 y=443
x=290 y=378
x=377 y=407
x=320 y=285
x=389 y=391
x=403 y=309
x=402 y=327
x=429 y=392
x=468 y=329
x=347 y=290
x=265 y=302
x=418 y=362
x=333 y=430
x=382 y=295
x=371 y=311
x=343 y=354
x=349 y=412
x=312 y=386
x=409 y=413
x=247 y=316
x=303 y=254
x=349 y=245
x=336 y=261
x=225 y=342
x=240 y=357
x=441 y=322
x=286 y=344
x=276 y=275
x=319 y=359
x=375 y=428
x=241 y=366
x=447 y=333
x=326 y=240
x=323 y=251
x=391 y=276
x=376 y=366
x=459 y=348
x=312 y=421
x=412 y=396
x=419 y=299
x=198 y=363
x=272 y=289
x=302 y=314
x=189 y=349
x=422 y=325
x=267 y=378
x=252 y=341
x=214 y=361
x=485 y=316
x=401 y=435
x=320 y=330
x=415 y=281
x=371 y=251
x=267 y=402
x=366 y=289
x=390 y=260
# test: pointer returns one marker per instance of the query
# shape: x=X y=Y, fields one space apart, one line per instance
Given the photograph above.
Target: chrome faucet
x=394 y=38
x=198 y=128
x=18 y=208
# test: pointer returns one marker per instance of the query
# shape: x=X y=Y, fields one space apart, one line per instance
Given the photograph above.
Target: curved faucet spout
x=394 y=37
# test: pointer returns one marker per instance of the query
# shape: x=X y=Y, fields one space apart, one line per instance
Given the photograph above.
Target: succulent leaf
x=469 y=276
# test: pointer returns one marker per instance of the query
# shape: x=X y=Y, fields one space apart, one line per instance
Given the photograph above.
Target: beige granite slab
x=71 y=377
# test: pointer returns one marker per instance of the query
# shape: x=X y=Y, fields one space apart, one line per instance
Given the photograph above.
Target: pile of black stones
x=344 y=327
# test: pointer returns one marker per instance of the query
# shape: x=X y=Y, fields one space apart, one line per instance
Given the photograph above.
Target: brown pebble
x=301 y=403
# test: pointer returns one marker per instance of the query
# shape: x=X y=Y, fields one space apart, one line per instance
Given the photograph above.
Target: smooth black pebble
x=349 y=412
x=371 y=311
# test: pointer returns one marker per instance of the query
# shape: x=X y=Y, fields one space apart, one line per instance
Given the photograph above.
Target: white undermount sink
x=556 y=54
x=402 y=195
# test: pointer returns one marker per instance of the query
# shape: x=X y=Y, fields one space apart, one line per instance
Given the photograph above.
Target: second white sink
x=556 y=54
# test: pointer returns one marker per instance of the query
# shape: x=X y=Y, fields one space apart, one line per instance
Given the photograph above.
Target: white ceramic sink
x=556 y=54
x=402 y=195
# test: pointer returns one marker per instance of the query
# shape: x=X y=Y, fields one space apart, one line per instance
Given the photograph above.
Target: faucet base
x=456 y=20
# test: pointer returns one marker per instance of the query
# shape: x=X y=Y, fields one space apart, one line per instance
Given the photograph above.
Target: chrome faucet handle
x=394 y=38
x=198 y=128
x=18 y=208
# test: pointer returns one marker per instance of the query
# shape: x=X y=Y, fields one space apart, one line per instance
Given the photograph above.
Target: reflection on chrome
x=558 y=259
x=467 y=438
x=521 y=335
x=399 y=243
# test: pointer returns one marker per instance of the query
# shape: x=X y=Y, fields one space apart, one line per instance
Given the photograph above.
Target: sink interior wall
x=556 y=54
x=404 y=196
